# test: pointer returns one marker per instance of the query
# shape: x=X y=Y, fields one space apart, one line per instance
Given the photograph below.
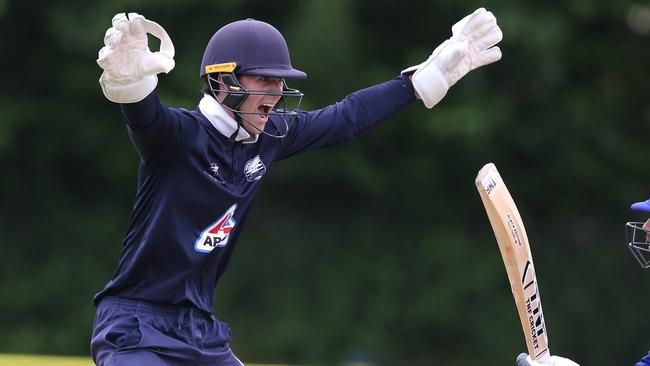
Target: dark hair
x=205 y=89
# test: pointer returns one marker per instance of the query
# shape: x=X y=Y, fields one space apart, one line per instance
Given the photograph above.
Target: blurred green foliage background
x=379 y=249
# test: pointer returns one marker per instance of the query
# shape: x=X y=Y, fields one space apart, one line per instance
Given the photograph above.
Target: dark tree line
x=378 y=249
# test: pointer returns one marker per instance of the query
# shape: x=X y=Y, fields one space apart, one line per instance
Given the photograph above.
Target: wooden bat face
x=515 y=251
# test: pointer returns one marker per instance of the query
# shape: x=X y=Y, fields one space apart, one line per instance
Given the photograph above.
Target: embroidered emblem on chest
x=254 y=169
x=217 y=233
x=214 y=173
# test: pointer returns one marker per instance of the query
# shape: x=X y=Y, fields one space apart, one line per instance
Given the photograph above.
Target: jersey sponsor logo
x=217 y=234
x=254 y=169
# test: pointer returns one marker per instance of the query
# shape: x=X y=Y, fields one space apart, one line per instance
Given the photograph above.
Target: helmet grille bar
x=638 y=243
x=236 y=94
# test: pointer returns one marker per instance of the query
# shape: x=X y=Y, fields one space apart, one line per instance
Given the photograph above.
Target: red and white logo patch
x=217 y=234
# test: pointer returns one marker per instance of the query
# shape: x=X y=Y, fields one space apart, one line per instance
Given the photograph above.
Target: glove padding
x=129 y=66
x=471 y=45
x=525 y=360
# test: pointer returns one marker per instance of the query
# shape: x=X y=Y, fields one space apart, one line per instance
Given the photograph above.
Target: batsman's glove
x=525 y=360
x=471 y=45
x=130 y=69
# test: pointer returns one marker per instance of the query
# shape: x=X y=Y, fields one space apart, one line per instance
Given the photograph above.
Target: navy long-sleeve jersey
x=195 y=187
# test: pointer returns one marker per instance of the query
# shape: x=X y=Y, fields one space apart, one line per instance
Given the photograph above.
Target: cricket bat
x=513 y=244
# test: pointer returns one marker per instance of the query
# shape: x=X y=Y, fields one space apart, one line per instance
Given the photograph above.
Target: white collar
x=222 y=121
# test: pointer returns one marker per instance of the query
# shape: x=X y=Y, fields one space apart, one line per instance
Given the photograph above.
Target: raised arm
x=342 y=121
x=130 y=76
x=472 y=45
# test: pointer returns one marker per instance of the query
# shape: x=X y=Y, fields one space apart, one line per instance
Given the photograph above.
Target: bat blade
x=513 y=244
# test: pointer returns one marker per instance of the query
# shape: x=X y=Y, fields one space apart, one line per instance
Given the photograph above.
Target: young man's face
x=258 y=105
x=646 y=227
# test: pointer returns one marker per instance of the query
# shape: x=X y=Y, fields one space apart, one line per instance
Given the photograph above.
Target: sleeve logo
x=217 y=233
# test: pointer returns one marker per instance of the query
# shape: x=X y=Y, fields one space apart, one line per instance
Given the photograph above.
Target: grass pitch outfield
x=28 y=360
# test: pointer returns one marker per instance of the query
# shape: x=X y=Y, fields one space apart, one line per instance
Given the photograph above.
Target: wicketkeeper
x=201 y=169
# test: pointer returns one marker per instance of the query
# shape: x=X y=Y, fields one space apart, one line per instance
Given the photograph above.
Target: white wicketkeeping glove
x=525 y=360
x=130 y=69
x=471 y=45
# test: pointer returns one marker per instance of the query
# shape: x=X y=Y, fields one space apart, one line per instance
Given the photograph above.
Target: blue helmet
x=249 y=47
x=638 y=236
x=643 y=206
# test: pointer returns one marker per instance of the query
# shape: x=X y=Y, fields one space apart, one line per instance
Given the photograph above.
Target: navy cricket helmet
x=249 y=47
x=638 y=236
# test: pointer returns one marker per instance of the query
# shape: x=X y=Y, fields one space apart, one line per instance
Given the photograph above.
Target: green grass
x=29 y=360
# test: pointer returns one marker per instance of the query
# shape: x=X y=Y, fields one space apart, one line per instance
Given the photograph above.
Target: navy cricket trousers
x=135 y=333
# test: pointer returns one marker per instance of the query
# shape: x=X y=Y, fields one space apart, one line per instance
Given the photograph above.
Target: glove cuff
x=127 y=92
x=430 y=83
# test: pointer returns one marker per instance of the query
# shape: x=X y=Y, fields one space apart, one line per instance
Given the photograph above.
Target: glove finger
x=488 y=40
x=112 y=37
x=133 y=16
x=483 y=28
x=474 y=22
x=136 y=24
x=478 y=20
x=122 y=25
x=103 y=57
x=155 y=63
x=131 y=27
x=479 y=25
x=119 y=18
x=458 y=27
x=487 y=57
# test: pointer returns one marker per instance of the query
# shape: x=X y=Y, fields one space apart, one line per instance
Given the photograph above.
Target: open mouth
x=264 y=110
